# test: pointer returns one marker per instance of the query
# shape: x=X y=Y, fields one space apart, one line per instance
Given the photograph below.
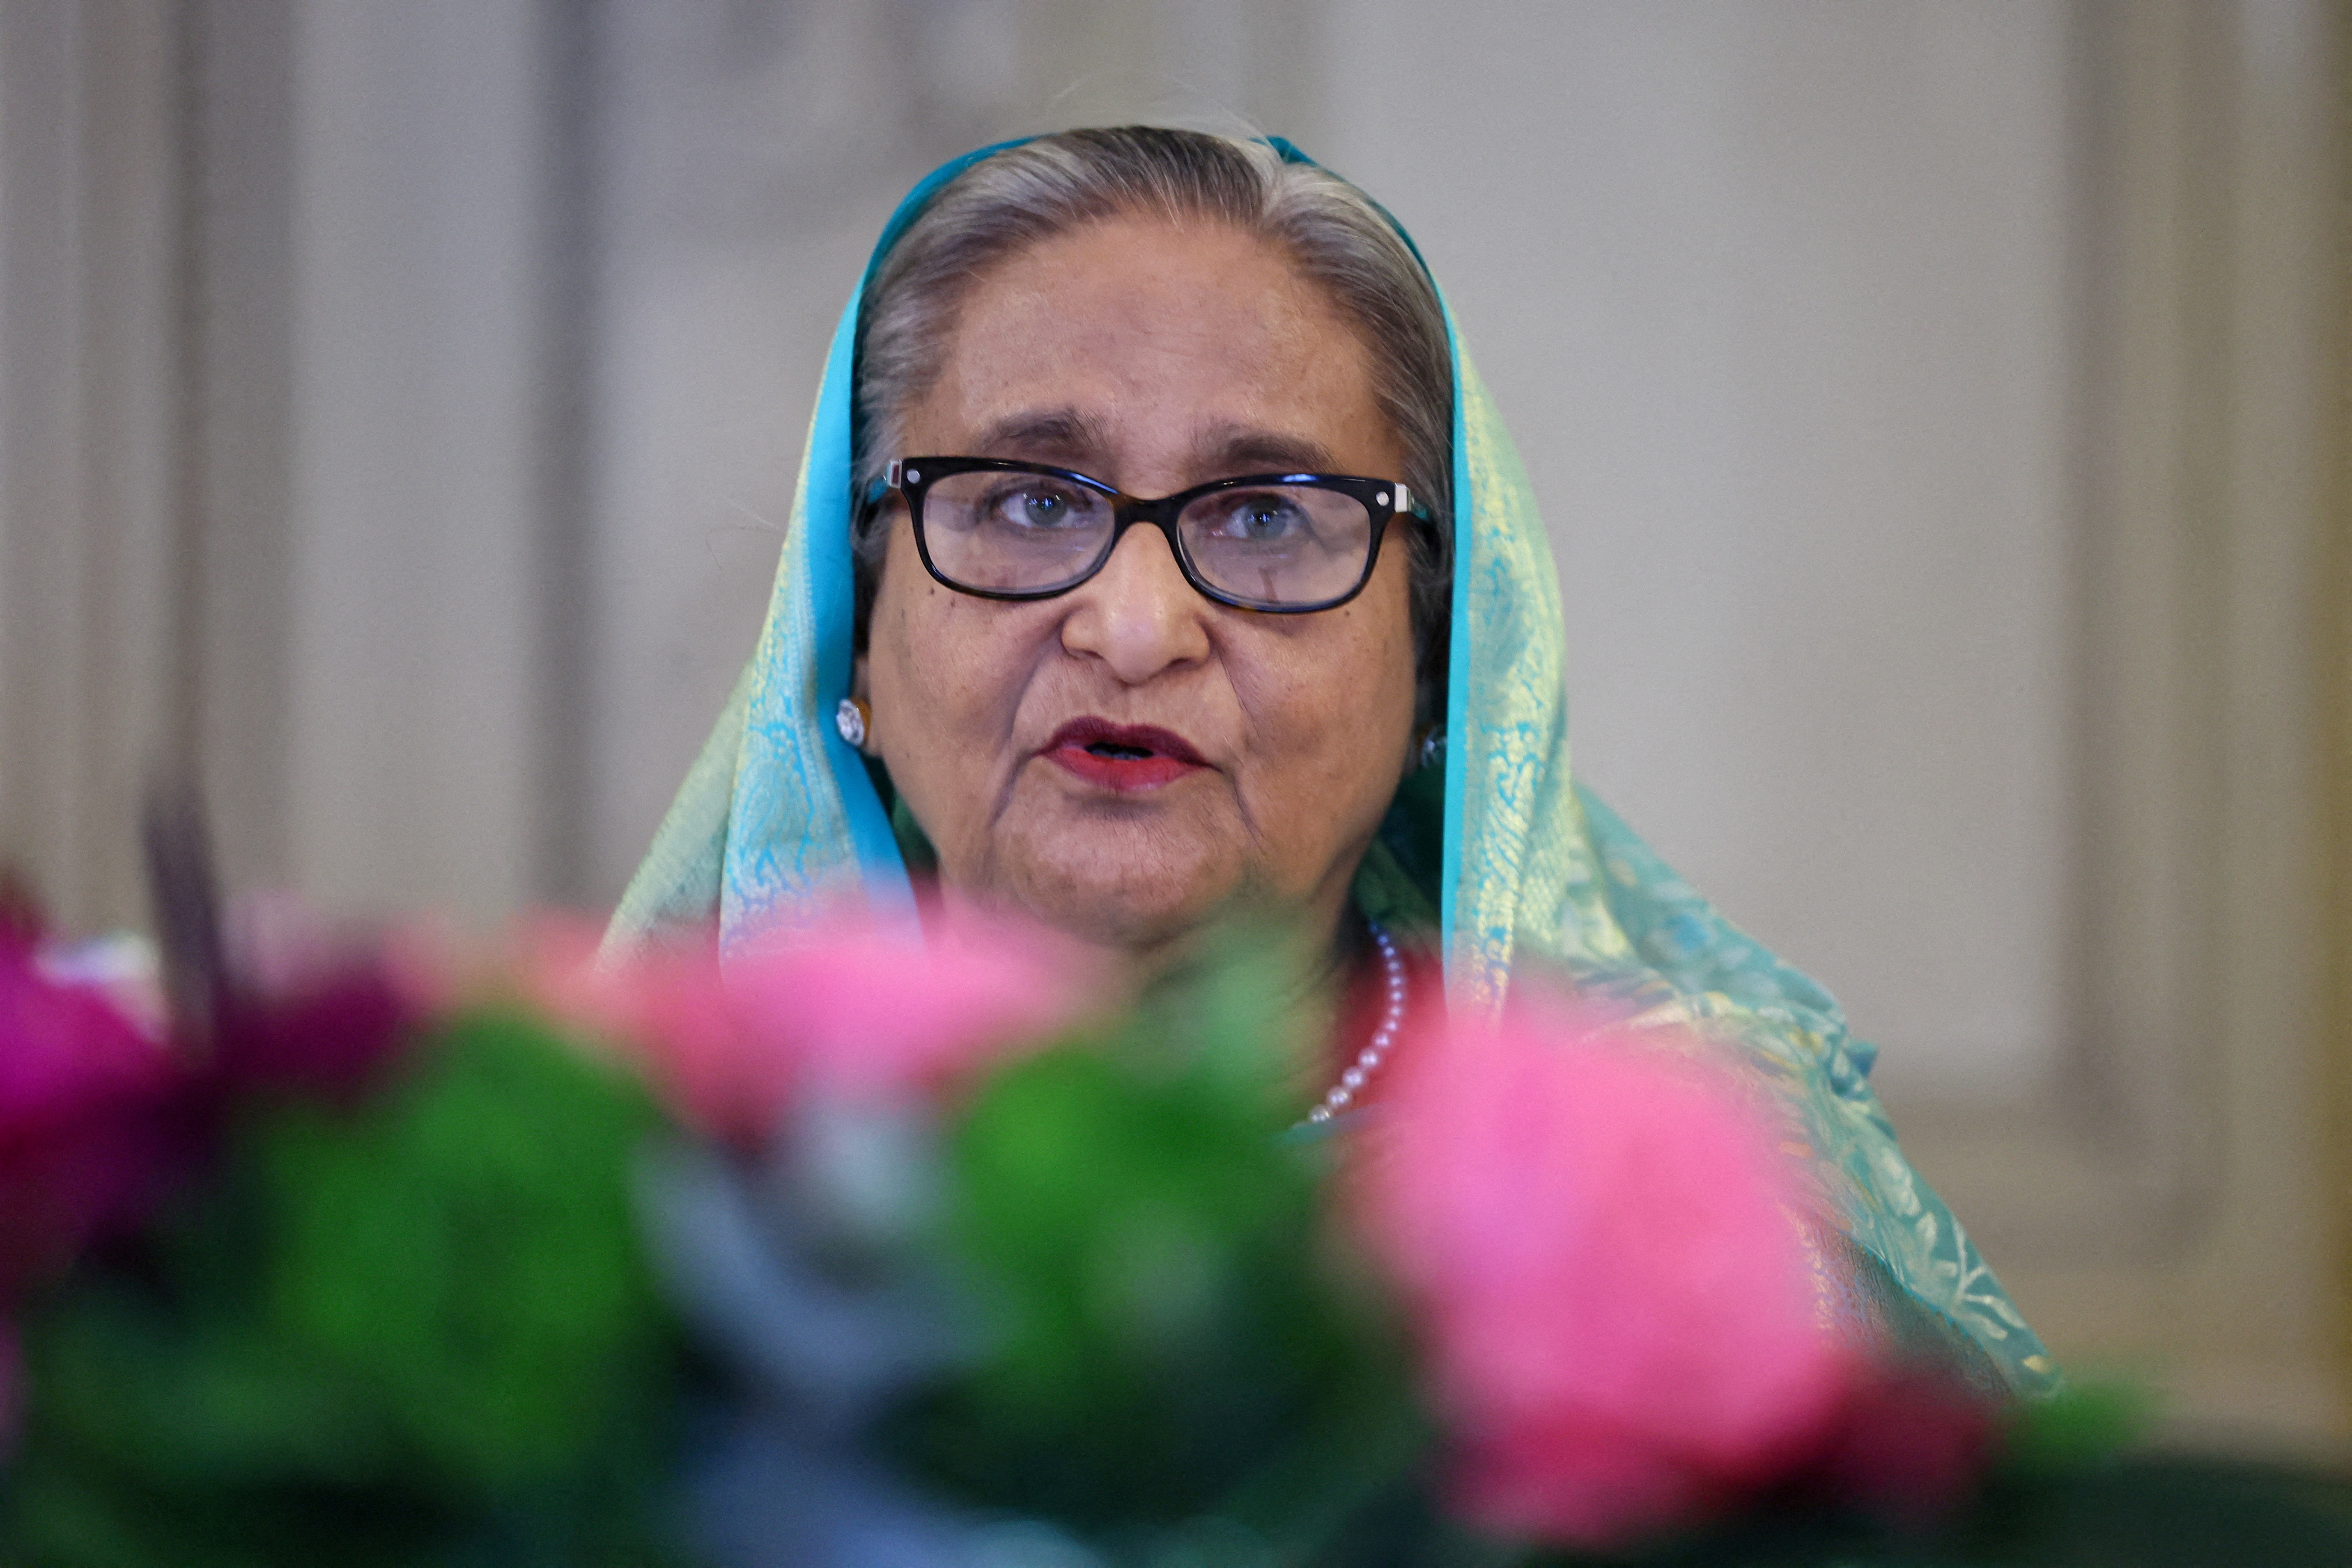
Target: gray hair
x=1332 y=232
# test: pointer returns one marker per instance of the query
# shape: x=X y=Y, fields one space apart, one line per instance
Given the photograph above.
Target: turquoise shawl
x=779 y=818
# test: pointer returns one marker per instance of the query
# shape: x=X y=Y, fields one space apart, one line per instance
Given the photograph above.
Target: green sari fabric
x=1501 y=857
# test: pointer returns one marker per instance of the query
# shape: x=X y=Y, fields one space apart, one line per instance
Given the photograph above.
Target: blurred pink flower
x=666 y=1007
x=1602 y=1243
x=855 y=1009
x=87 y=1132
x=874 y=1011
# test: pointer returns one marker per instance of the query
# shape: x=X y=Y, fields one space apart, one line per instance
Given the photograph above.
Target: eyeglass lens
x=1025 y=533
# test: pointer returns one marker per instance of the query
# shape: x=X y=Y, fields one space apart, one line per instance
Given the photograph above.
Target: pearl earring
x=850 y=718
x=1432 y=745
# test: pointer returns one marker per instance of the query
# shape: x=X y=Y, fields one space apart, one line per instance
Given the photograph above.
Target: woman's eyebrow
x=1063 y=433
x=1239 y=451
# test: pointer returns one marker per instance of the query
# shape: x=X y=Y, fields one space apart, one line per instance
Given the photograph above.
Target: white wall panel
x=416 y=422
x=90 y=448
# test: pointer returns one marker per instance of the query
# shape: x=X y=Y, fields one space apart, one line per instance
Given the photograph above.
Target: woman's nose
x=1137 y=615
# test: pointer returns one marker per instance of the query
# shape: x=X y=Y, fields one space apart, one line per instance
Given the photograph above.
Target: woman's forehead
x=1196 y=340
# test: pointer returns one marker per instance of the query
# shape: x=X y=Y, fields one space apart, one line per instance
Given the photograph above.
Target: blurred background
x=1938 y=409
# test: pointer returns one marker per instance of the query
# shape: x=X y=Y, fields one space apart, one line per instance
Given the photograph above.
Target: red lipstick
x=1122 y=757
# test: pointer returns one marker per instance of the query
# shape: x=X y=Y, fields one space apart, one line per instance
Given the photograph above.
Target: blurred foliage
x=418 y=1331
x=1174 y=1332
x=424 y=1328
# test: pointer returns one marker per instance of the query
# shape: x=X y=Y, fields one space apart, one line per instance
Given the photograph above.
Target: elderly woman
x=1157 y=548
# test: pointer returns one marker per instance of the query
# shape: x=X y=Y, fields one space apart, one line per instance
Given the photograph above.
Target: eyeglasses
x=1288 y=544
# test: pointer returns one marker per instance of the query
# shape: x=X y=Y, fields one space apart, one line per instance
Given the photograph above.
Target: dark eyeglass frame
x=912 y=477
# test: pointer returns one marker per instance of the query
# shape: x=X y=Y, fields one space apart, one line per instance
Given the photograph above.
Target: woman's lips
x=1122 y=757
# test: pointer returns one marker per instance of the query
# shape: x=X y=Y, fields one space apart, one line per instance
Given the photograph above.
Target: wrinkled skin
x=1154 y=357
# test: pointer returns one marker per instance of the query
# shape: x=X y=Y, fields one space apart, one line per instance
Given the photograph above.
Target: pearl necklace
x=1367 y=1060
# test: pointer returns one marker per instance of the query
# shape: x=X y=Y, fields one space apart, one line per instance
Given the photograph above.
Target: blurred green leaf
x=1168 y=1322
x=2079 y=1425
x=418 y=1332
x=465 y=1249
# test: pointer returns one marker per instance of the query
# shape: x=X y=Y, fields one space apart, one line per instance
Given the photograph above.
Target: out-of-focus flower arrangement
x=912 y=1254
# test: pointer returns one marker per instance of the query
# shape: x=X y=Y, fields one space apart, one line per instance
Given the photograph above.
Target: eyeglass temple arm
x=884 y=483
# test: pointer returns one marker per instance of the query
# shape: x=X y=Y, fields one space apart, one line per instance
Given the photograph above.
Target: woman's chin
x=1137 y=876
x=1118 y=915
x=1111 y=885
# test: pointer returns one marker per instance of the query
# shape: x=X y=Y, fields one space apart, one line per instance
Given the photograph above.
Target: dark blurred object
x=321 y=1032
x=2140 y=1511
x=184 y=894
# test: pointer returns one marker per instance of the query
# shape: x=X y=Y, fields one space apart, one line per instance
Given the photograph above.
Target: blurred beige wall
x=400 y=406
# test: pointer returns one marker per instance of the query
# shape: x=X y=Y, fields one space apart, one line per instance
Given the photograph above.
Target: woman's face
x=1154 y=357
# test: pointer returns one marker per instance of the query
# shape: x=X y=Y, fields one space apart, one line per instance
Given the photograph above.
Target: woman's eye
x=1262 y=519
x=1039 y=506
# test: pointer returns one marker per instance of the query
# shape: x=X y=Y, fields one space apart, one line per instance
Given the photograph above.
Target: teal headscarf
x=779 y=818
